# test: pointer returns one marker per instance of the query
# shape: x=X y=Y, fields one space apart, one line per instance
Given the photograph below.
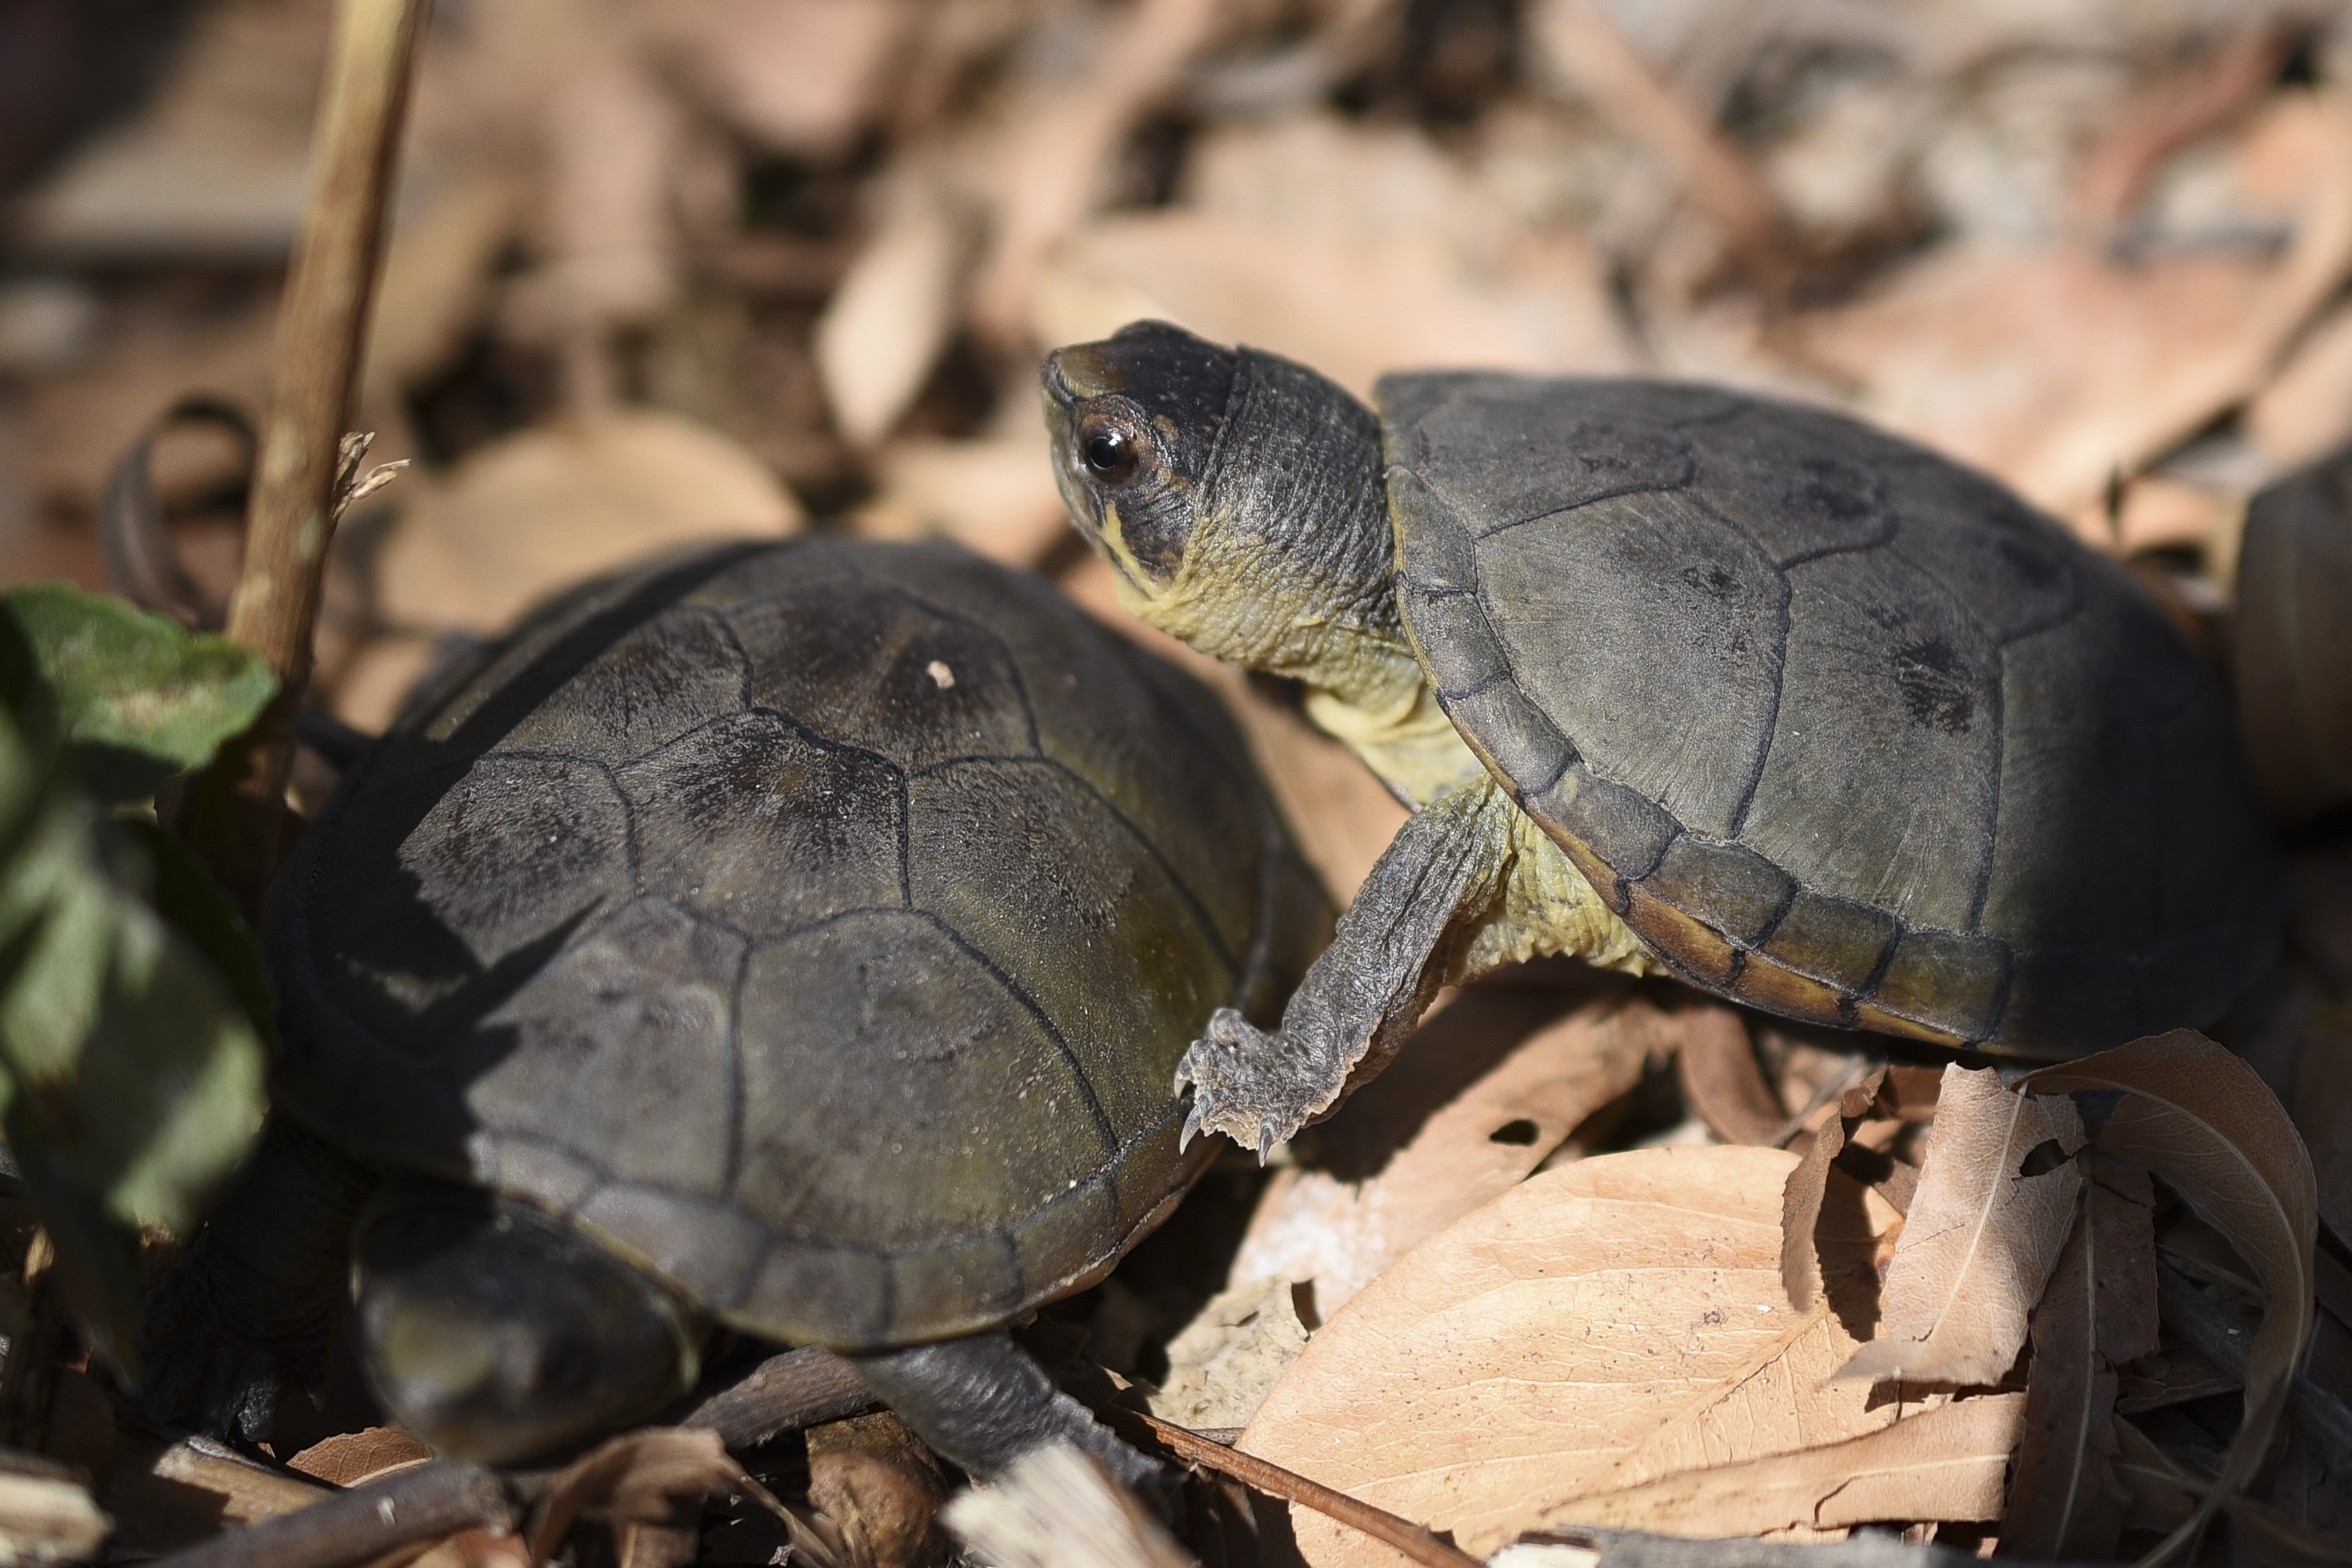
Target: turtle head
x=496 y=1332
x=1135 y=419
x=1238 y=495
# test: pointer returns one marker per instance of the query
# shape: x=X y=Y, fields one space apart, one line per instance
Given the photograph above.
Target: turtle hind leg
x=245 y=1311
x=981 y=1402
x=1419 y=909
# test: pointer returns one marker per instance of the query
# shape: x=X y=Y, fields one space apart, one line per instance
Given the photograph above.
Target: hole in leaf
x=1521 y=1131
x=2042 y=1158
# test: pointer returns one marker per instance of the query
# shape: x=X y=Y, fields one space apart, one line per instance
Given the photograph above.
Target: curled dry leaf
x=539 y=510
x=2200 y=1117
x=1721 y=1079
x=2293 y=639
x=2098 y=1312
x=1595 y=1329
x=1980 y=1237
x=880 y=1488
x=1808 y=1185
x=1055 y=1508
x=1050 y=170
x=1394 y=1172
x=633 y=1479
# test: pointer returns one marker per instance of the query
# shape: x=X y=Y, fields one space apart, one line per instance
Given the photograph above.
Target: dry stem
x=235 y=812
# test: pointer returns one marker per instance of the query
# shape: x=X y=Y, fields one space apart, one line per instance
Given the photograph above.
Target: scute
x=880 y=670
x=987 y=855
x=750 y=910
x=1994 y=793
x=719 y=810
x=1704 y=605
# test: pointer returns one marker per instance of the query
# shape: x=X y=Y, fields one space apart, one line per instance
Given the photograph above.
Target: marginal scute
x=1946 y=979
x=842 y=1293
x=1434 y=552
x=1839 y=942
x=1512 y=735
x=707 y=1247
x=1623 y=827
x=973 y=1277
x=1736 y=890
x=2059 y=997
x=1050 y=1246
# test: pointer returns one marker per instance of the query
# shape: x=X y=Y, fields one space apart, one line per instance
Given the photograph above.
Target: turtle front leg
x=981 y=1402
x=1446 y=867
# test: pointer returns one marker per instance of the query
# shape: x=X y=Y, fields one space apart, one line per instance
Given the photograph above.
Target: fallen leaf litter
x=655 y=278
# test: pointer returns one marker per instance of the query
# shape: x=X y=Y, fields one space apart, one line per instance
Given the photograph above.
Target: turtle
x=1679 y=678
x=795 y=938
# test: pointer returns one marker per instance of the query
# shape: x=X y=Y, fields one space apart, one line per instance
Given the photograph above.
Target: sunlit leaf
x=135 y=699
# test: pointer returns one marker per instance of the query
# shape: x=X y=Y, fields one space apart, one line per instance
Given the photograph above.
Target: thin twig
x=234 y=813
x=434 y=1500
x=1389 y=1529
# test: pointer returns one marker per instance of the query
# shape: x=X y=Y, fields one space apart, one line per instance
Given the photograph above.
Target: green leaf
x=192 y=900
x=135 y=699
x=131 y=1070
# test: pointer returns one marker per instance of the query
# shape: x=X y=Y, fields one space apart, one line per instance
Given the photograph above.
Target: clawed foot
x=1255 y=1088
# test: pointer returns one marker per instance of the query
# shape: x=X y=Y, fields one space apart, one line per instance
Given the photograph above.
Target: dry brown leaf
x=1721 y=1079
x=2170 y=114
x=350 y=1458
x=994 y=493
x=1049 y=173
x=1353 y=312
x=2054 y=369
x=165 y=1496
x=2098 y=1312
x=539 y=510
x=1396 y=1172
x=1980 y=1238
x=880 y=1488
x=801 y=77
x=1604 y=1323
x=894 y=310
x=2306 y=410
x=2293 y=640
x=2200 y=1117
x=1946 y=1462
x=1222 y=1362
x=633 y=1479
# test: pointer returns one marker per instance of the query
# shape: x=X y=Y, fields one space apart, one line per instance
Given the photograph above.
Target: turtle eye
x=1110 y=451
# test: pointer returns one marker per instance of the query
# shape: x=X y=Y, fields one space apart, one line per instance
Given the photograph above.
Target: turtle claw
x=1246 y=1085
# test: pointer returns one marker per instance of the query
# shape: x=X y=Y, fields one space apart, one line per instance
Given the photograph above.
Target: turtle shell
x=819 y=925
x=1838 y=726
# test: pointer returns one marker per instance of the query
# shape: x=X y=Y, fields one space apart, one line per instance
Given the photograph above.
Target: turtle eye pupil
x=1110 y=454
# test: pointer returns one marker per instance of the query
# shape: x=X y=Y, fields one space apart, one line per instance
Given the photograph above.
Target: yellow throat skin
x=1367 y=690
